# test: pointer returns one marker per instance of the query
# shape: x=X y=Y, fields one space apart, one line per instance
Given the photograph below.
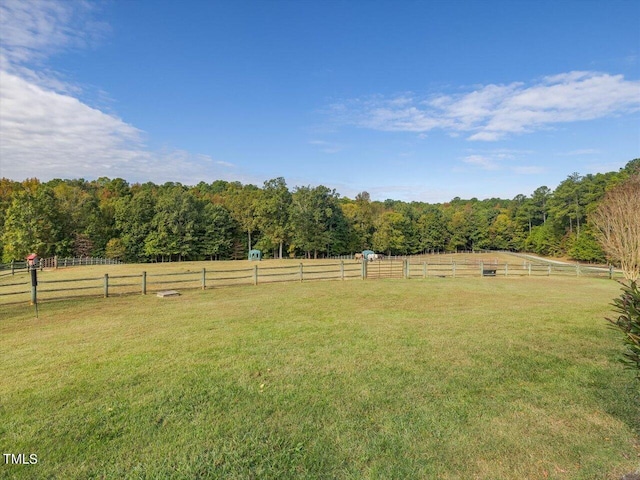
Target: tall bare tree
x=617 y=226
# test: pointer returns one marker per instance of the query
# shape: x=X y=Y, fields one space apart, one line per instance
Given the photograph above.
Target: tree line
x=223 y=220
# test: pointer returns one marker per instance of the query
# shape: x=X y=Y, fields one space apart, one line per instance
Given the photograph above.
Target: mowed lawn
x=487 y=378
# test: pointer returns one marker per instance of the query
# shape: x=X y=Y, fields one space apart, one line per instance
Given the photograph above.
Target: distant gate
x=385 y=269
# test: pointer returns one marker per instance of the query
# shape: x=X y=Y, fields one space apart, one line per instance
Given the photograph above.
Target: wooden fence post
x=364 y=268
x=424 y=269
x=549 y=270
x=481 y=269
x=610 y=272
x=106 y=285
x=453 y=269
x=301 y=273
x=144 y=283
x=341 y=269
x=204 y=279
x=529 y=268
x=506 y=269
x=255 y=274
x=12 y=267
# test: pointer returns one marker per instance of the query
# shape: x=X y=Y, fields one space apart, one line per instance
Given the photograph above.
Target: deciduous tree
x=242 y=202
x=217 y=227
x=617 y=226
x=313 y=215
x=390 y=233
x=273 y=212
x=31 y=225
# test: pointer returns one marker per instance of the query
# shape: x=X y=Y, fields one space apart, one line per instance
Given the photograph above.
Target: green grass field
x=487 y=378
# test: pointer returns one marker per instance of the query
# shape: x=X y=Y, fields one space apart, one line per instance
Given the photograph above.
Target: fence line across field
x=18 y=267
x=205 y=278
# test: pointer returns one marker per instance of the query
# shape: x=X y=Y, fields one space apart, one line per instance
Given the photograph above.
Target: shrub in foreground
x=628 y=306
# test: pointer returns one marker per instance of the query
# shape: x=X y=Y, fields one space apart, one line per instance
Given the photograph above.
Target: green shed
x=255 y=255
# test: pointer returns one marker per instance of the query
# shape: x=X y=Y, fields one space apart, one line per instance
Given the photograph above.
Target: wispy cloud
x=35 y=29
x=499 y=160
x=481 y=161
x=583 y=151
x=46 y=131
x=528 y=170
x=492 y=112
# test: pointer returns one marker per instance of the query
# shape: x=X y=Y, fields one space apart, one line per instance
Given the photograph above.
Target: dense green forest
x=222 y=220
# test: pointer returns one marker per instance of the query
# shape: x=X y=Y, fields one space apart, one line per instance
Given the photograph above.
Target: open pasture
x=127 y=278
x=110 y=280
x=437 y=378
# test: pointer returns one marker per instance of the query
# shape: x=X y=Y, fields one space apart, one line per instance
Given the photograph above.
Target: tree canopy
x=223 y=220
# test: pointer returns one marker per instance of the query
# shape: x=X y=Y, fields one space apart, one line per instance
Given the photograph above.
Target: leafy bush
x=628 y=306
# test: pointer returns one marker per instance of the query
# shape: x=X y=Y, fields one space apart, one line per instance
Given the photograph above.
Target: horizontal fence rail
x=18 y=267
x=388 y=268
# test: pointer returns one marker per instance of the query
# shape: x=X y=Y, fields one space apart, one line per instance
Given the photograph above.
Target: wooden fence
x=54 y=262
x=19 y=287
x=12 y=268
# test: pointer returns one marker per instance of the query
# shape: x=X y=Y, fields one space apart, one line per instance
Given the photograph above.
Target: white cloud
x=47 y=132
x=492 y=112
x=47 y=135
x=38 y=28
x=44 y=130
x=480 y=161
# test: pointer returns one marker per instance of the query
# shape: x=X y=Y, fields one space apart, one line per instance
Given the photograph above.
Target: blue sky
x=407 y=100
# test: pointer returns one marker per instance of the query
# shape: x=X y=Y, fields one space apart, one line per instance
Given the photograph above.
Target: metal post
x=106 y=285
x=144 y=283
